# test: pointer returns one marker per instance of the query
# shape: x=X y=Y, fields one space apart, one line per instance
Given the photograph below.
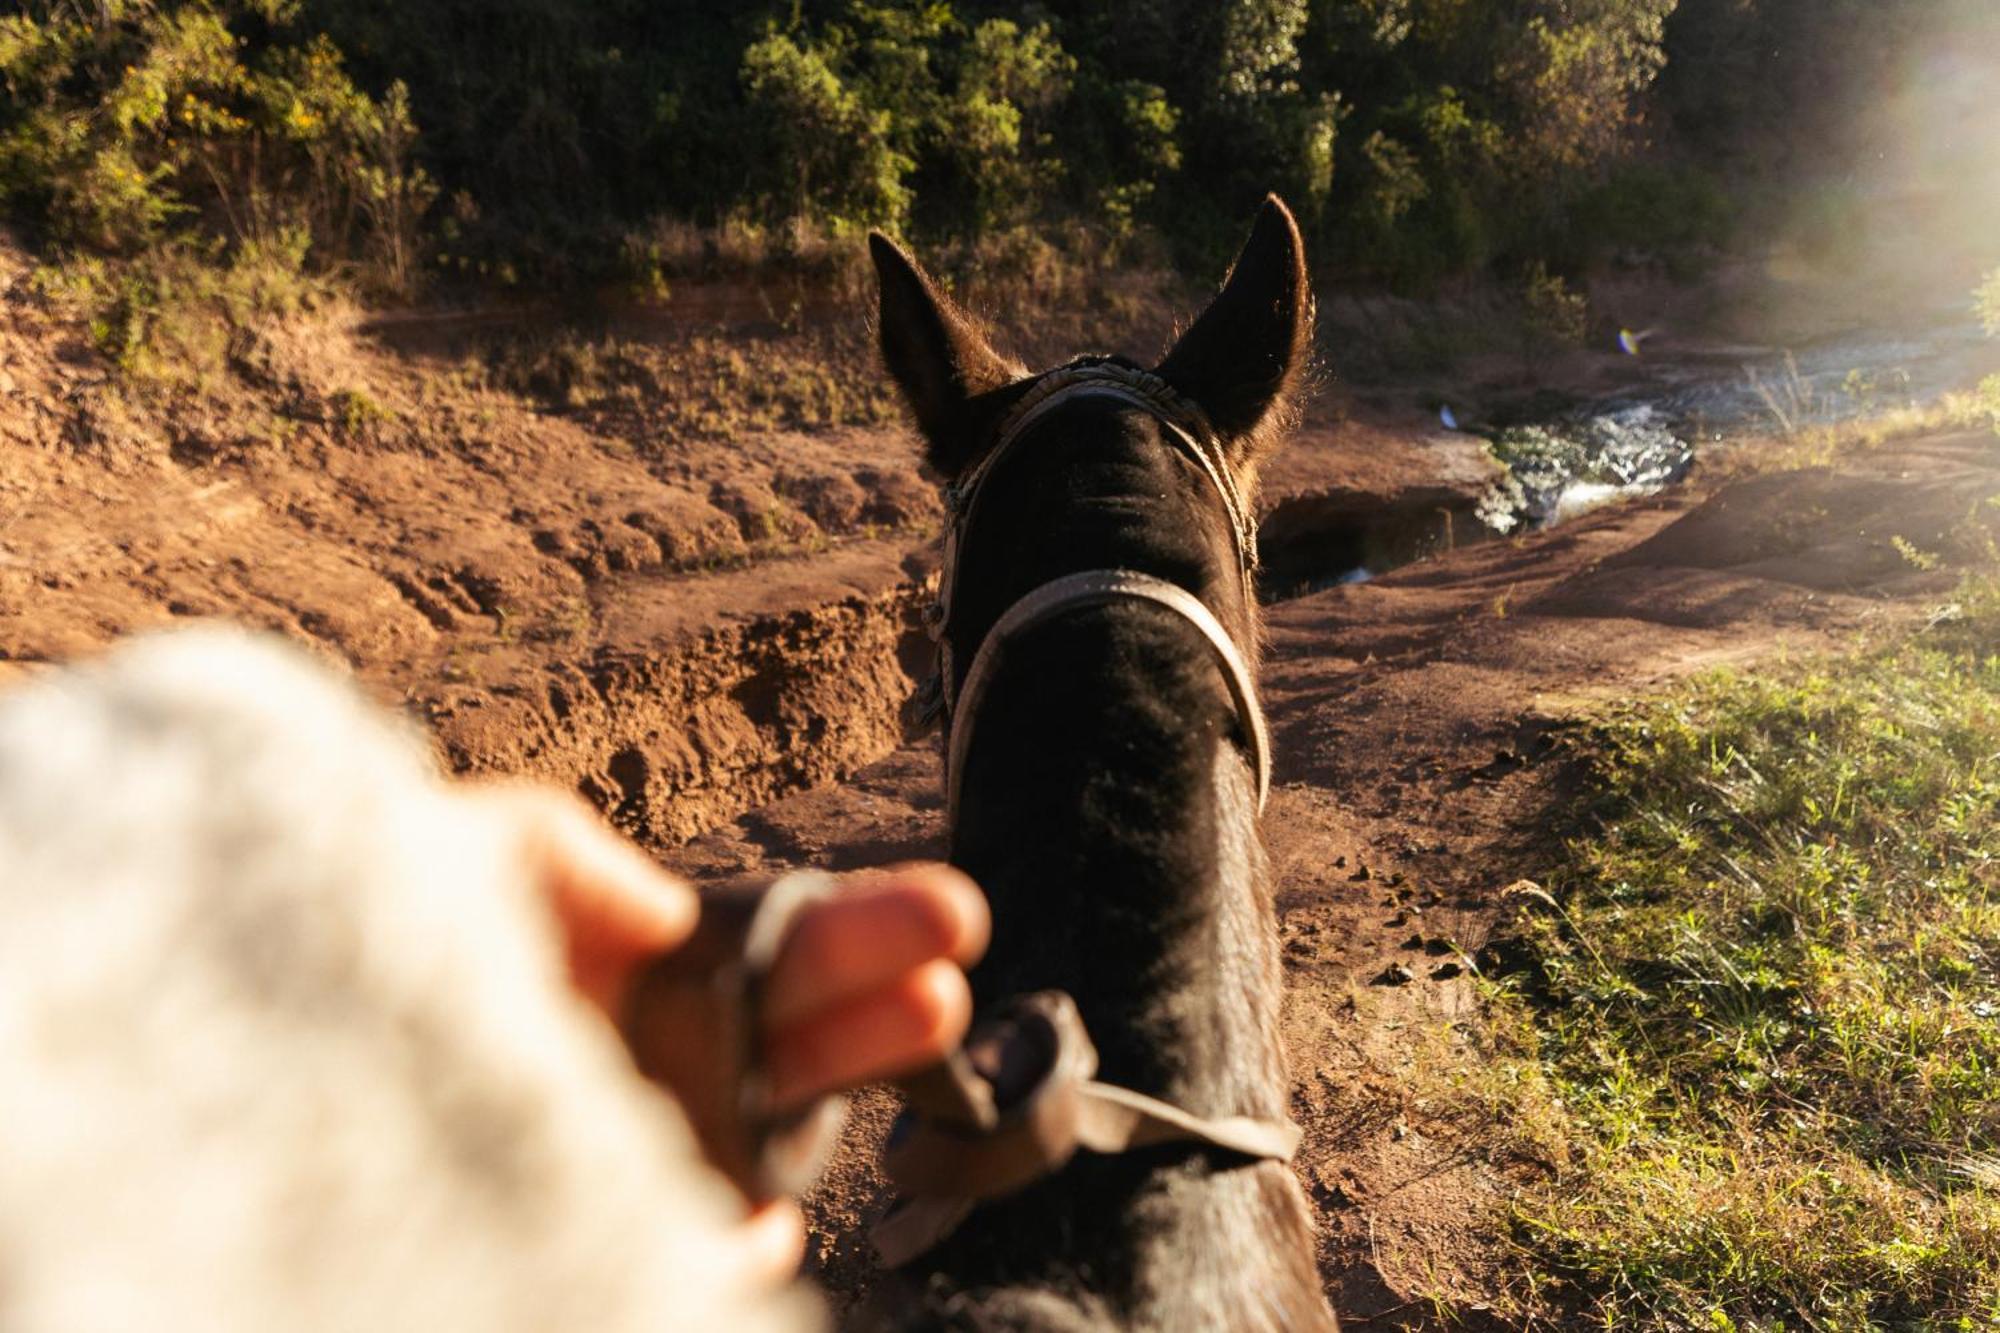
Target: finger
x=893 y=1031
x=772 y=1243
x=606 y=889
x=614 y=905
x=873 y=932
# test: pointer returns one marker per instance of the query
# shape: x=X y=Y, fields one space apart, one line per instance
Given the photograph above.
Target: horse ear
x=1244 y=357
x=936 y=353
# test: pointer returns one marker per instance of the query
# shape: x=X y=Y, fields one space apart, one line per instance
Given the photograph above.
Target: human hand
x=869 y=984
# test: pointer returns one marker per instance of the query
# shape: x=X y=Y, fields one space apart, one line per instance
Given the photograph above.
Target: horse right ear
x=937 y=355
x=1244 y=358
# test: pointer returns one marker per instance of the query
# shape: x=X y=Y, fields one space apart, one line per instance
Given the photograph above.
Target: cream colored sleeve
x=285 y=1045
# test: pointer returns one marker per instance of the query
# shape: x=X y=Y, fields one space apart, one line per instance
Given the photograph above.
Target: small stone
x=1340 y=863
x=1414 y=943
x=1396 y=878
x=1446 y=971
x=1361 y=874
x=1394 y=975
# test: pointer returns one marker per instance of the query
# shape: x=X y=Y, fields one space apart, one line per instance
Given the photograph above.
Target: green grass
x=1753 y=1061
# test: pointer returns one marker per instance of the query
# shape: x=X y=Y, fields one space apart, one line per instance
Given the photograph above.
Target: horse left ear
x=936 y=353
x=1243 y=359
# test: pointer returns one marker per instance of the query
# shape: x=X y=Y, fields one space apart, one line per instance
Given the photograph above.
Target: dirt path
x=1416 y=719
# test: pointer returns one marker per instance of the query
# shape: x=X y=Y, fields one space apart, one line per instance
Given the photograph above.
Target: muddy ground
x=711 y=635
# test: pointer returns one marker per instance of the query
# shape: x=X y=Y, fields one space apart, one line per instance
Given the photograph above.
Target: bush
x=180 y=312
x=1554 y=315
x=150 y=123
x=1417 y=141
x=833 y=148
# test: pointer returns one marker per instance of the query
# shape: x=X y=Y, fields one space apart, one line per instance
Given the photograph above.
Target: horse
x=1106 y=762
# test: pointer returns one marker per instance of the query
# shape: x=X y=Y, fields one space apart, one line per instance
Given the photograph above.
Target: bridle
x=1187 y=429
x=1020 y=1097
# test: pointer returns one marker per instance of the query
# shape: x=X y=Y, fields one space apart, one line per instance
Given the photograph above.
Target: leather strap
x=692 y=1023
x=1097 y=587
x=1015 y=1105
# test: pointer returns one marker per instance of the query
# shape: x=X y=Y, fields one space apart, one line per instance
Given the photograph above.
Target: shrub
x=1553 y=314
x=832 y=148
x=149 y=121
x=180 y=312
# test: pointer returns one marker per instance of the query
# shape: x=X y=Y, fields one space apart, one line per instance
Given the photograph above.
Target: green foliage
x=1652 y=208
x=146 y=122
x=900 y=103
x=1554 y=314
x=178 y=313
x=1761 y=1034
x=1418 y=139
x=1987 y=301
x=834 y=149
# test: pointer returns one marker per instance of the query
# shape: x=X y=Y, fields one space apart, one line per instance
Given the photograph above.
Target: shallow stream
x=1646 y=438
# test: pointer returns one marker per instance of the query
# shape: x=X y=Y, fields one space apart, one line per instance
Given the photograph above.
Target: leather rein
x=1020 y=1097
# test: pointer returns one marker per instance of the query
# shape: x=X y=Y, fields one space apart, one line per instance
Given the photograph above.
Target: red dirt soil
x=712 y=638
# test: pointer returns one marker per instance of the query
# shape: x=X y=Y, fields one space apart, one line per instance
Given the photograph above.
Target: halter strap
x=1099 y=587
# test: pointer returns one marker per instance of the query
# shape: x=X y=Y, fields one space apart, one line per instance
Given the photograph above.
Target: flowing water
x=1648 y=437
x=1563 y=459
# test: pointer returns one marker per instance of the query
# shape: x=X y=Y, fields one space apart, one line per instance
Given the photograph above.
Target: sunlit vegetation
x=1987 y=299
x=551 y=139
x=1754 y=1042
x=444 y=143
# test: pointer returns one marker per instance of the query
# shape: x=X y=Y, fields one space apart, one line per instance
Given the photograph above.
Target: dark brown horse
x=1108 y=797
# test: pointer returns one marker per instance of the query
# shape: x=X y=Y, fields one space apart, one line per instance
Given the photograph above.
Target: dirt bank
x=662 y=596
